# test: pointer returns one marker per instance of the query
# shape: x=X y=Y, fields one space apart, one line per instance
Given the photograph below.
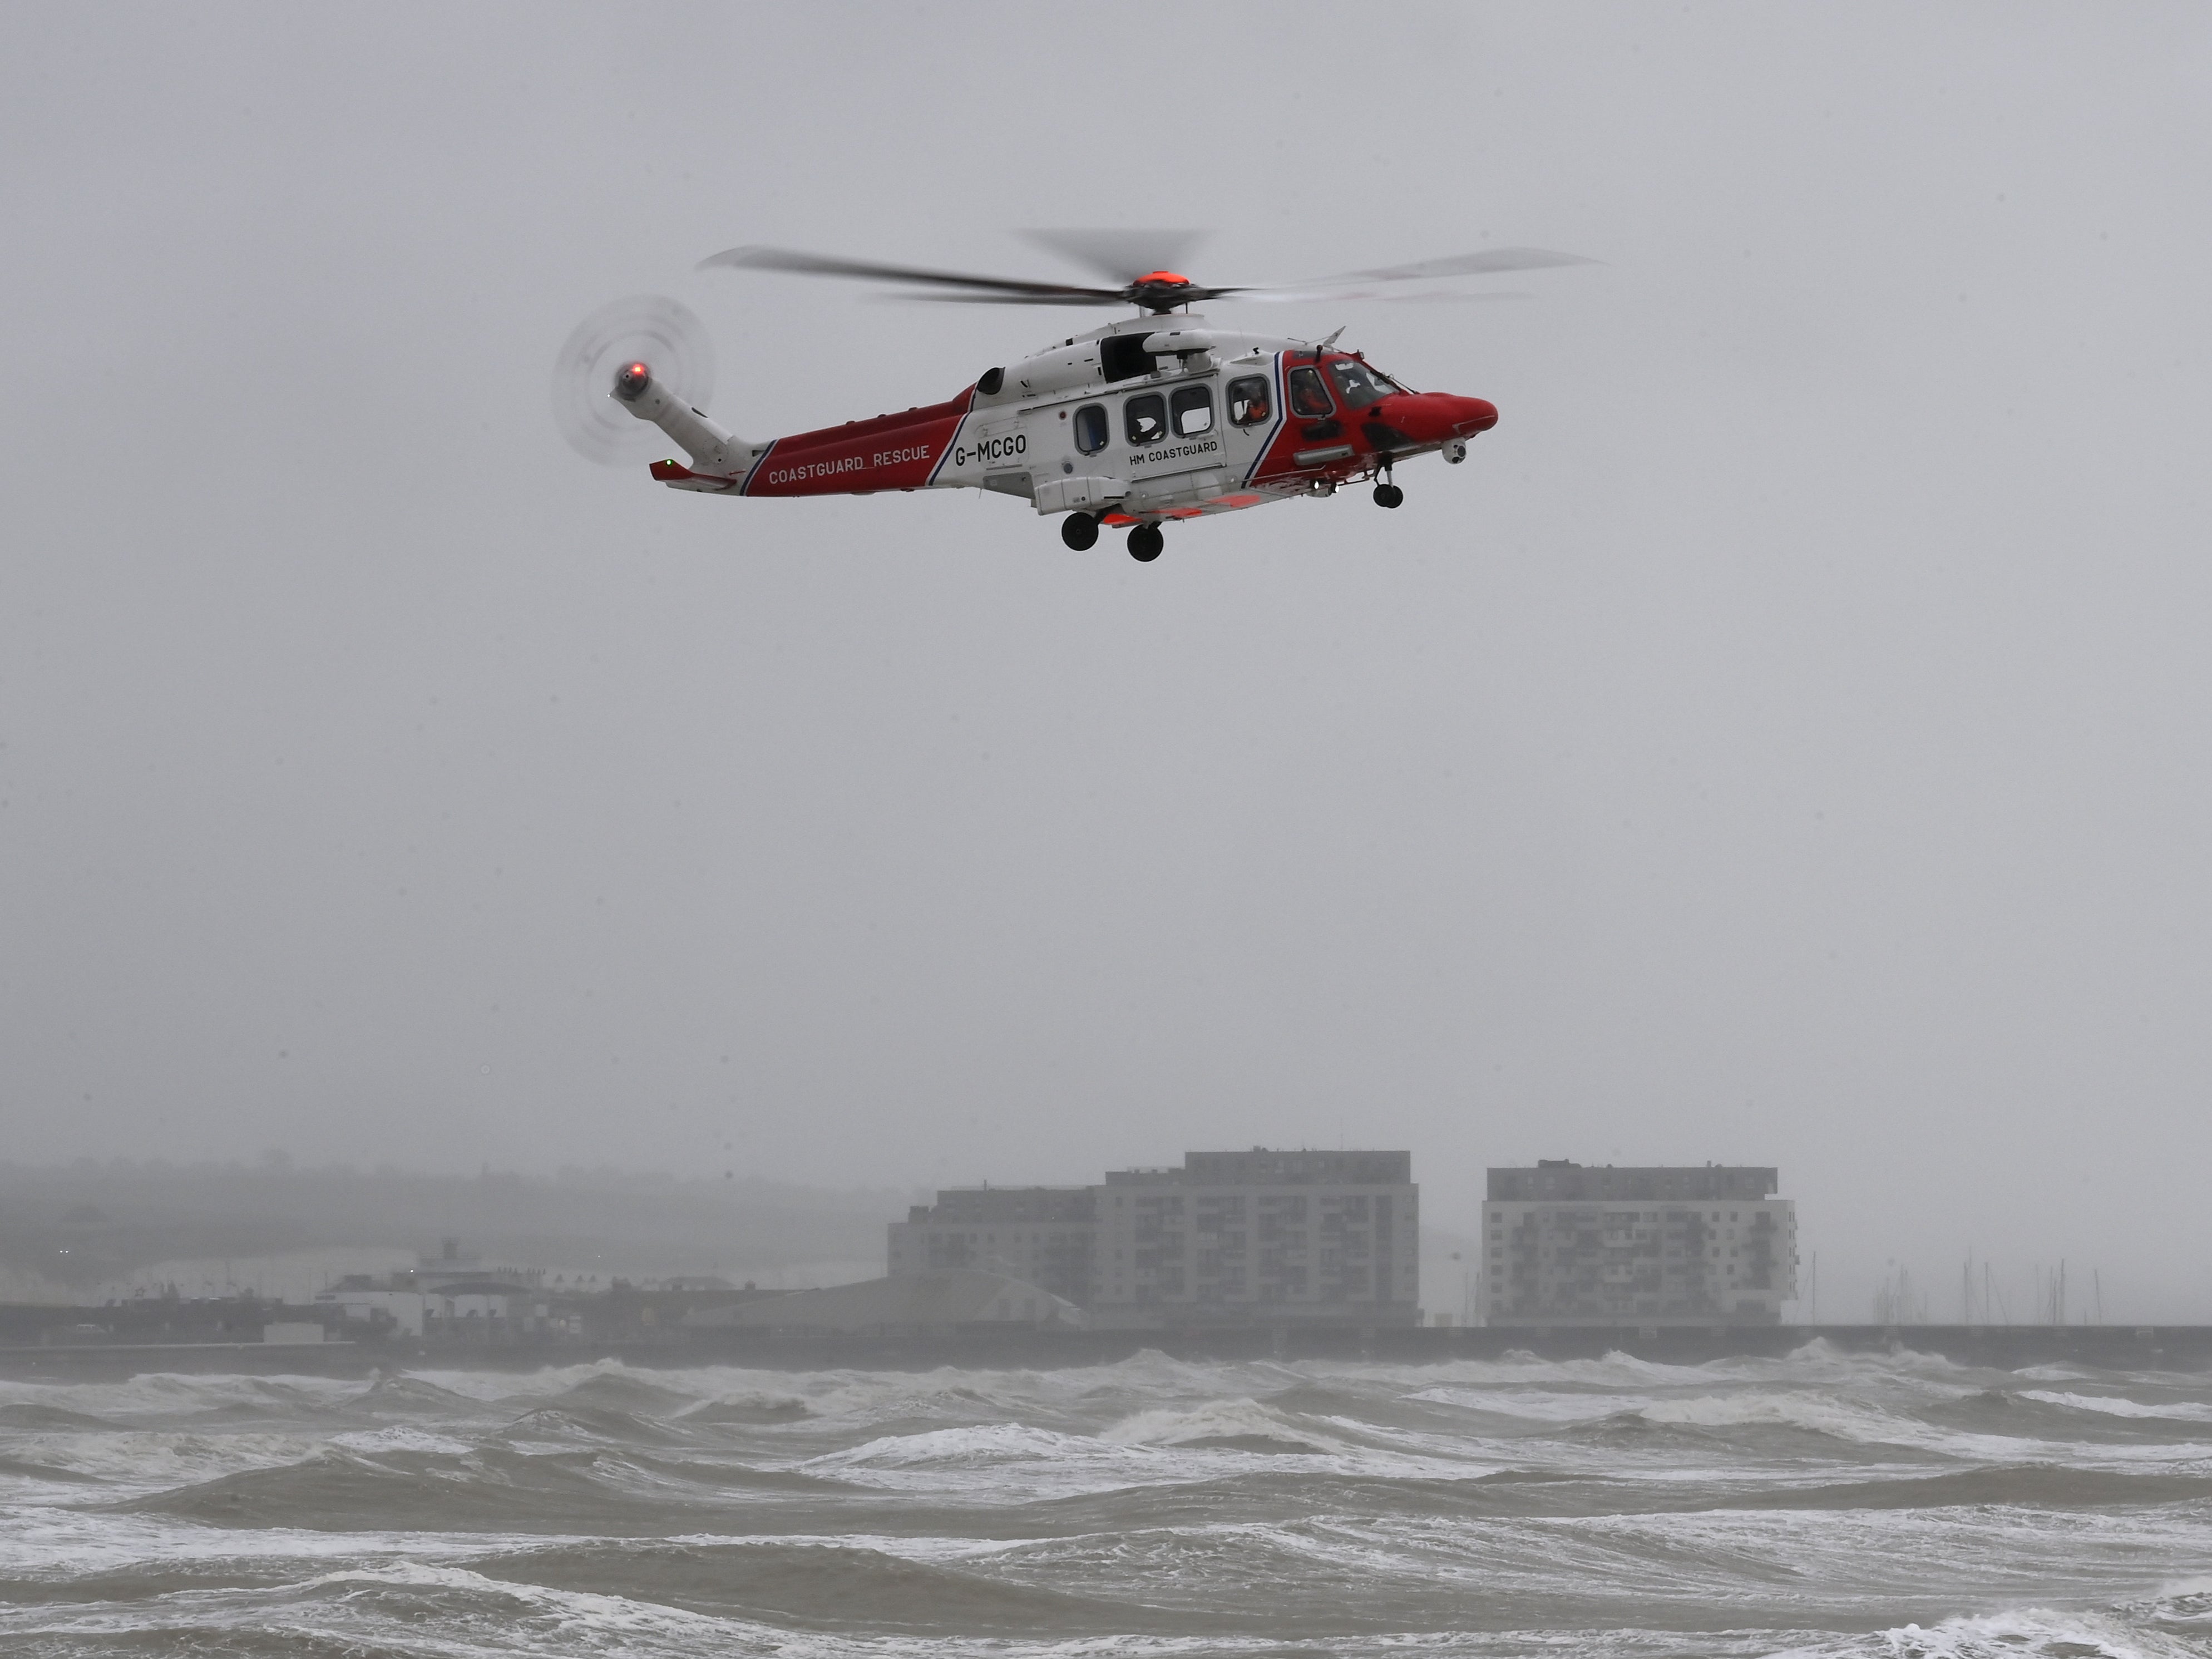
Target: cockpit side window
x=1360 y=385
x=1090 y=430
x=1309 y=396
x=1249 y=401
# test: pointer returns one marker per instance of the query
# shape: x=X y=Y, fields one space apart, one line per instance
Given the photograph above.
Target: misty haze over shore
x=107 y=1229
x=101 y=1229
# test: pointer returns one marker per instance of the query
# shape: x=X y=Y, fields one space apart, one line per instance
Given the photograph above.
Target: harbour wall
x=2004 y=1347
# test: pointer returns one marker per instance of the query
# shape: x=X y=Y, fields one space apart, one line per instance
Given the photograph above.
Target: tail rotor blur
x=647 y=331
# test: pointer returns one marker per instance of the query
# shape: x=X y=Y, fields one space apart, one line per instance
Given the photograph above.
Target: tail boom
x=892 y=452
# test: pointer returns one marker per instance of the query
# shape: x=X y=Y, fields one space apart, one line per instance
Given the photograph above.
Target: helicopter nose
x=1472 y=415
x=1434 y=417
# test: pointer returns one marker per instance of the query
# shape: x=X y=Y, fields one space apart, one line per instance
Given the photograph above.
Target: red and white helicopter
x=1156 y=418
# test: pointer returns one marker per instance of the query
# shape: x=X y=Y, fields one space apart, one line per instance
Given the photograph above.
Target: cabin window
x=1250 y=401
x=1145 y=418
x=1309 y=396
x=1191 y=407
x=1360 y=385
x=1090 y=431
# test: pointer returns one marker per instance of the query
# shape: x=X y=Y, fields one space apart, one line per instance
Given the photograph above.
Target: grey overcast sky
x=1785 y=741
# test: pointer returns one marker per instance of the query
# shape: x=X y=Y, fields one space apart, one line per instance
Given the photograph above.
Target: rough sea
x=1822 y=1504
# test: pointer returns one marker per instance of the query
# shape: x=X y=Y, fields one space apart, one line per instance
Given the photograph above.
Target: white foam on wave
x=1154 y=1447
x=1243 y=1419
x=1004 y=1462
x=2190 y=1599
x=1616 y=1370
x=2056 y=1373
x=177 y=1394
x=59 y=1543
x=139 y=1460
x=2035 y=1631
x=497 y=1616
x=400 y=1438
x=765 y=1401
x=546 y=1383
x=2117 y=1405
x=832 y=1401
x=1819 y=1411
x=1532 y=1405
x=1864 y=1423
x=982 y=1442
x=1239 y=1435
x=1822 y=1360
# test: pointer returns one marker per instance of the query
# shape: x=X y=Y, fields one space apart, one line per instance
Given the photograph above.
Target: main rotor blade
x=1454 y=264
x=1079 y=297
x=1367 y=296
x=1119 y=256
x=818 y=264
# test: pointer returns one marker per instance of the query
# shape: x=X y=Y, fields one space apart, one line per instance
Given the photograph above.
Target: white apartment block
x=1563 y=1244
x=1244 y=1238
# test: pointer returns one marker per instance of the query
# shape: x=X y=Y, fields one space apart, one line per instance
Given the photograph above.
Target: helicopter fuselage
x=1149 y=419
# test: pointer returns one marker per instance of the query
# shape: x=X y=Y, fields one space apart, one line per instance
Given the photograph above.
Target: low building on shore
x=409 y=1305
x=908 y=1303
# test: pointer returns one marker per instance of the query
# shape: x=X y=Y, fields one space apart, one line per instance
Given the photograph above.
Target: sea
x=1823 y=1503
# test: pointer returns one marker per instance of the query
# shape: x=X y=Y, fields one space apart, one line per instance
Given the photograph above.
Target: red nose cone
x=1435 y=417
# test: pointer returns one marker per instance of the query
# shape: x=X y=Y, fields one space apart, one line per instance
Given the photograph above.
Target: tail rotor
x=647 y=337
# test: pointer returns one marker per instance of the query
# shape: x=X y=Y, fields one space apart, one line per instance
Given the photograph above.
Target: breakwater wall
x=2007 y=1347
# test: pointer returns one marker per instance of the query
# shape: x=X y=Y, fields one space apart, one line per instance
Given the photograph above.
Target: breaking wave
x=1825 y=1503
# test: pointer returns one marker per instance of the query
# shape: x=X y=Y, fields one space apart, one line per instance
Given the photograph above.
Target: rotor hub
x=1162 y=291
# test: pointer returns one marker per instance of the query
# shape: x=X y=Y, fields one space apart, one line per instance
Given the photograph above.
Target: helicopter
x=1155 y=419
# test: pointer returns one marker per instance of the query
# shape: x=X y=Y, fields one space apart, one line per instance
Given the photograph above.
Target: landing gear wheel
x=1079 y=530
x=1145 y=543
x=1388 y=495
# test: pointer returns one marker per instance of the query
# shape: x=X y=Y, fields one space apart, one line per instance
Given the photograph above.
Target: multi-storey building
x=1048 y=1236
x=1257 y=1238
x=1569 y=1244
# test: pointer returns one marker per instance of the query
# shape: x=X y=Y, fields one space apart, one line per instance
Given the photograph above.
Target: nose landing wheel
x=1388 y=495
x=1145 y=543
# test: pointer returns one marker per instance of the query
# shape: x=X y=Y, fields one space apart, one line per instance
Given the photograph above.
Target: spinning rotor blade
x=649 y=328
x=816 y=265
x=1081 y=298
x=1139 y=261
x=1353 y=284
x=1368 y=296
x=1120 y=255
x=1466 y=265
